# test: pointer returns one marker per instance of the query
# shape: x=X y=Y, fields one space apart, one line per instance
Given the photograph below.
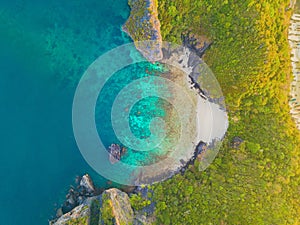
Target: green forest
x=258 y=182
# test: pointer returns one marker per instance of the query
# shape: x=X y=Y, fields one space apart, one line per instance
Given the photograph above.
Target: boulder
x=114 y=153
x=87 y=183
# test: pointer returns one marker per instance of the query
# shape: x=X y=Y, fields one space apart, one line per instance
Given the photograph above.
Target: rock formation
x=196 y=43
x=87 y=183
x=114 y=153
x=78 y=214
x=77 y=195
x=143 y=27
x=111 y=207
x=120 y=206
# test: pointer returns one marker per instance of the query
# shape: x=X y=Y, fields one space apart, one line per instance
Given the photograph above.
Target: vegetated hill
x=258 y=182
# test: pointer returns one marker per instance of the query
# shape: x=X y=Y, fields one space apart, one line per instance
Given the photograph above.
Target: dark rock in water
x=67 y=208
x=80 y=199
x=78 y=195
x=115 y=153
x=236 y=142
x=77 y=180
x=59 y=212
x=71 y=201
x=87 y=183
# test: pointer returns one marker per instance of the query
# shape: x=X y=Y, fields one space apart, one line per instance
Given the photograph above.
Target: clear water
x=141 y=113
x=45 y=48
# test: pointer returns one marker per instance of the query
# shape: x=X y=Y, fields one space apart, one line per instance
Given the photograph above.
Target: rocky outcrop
x=87 y=183
x=143 y=27
x=77 y=195
x=196 y=43
x=114 y=153
x=121 y=210
x=111 y=207
x=236 y=142
x=78 y=214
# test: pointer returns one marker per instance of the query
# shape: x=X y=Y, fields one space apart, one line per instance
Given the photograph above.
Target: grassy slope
x=259 y=183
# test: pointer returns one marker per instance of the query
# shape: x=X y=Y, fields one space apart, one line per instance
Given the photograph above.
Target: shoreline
x=203 y=147
x=210 y=110
x=211 y=120
x=208 y=106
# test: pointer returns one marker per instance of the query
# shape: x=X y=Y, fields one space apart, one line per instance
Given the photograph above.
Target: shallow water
x=141 y=113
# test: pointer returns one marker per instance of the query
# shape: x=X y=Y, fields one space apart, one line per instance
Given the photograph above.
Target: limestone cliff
x=79 y=215
x=119 y=204
x=111 y=207
x=143 y=27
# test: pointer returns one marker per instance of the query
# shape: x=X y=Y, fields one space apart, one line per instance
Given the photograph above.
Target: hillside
x=257 y=182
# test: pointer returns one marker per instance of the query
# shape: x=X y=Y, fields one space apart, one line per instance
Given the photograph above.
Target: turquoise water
x=141 y=113
x=45 y=48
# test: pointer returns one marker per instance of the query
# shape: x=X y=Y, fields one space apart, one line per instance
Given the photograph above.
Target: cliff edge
x=111 y=207
x=143 y=27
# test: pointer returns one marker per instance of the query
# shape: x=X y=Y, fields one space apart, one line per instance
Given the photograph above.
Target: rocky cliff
x=111 y=207
x=143 y=27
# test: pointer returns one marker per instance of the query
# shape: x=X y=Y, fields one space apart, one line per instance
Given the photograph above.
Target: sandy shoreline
x=210 y=120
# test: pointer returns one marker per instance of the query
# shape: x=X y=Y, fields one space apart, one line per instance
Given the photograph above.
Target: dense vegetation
x=106 y=210
x=257 y=183
x=94 y=212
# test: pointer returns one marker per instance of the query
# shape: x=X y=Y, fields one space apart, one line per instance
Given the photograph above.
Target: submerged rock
x=143 y=27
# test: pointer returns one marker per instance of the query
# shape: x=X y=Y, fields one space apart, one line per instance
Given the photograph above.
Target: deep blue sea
x=45 y=46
